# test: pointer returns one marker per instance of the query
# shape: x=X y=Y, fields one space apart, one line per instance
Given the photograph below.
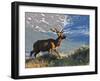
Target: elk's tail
x=31 y=53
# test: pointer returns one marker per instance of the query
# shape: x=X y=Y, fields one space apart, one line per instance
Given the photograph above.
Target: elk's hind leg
x=31 y=53
x=36 y=53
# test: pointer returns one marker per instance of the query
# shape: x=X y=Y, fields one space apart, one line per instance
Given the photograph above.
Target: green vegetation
x=79 y=57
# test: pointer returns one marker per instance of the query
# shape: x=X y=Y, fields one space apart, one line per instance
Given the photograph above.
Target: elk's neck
x=58 y=41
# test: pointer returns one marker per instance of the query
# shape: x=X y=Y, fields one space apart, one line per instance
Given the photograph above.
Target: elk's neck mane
x=58 y=41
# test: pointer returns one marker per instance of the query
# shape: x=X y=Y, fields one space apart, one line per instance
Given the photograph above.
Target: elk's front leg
x=51 y=51
x=57 y=53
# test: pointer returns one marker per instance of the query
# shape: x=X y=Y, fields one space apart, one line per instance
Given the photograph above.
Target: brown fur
x=48 y=44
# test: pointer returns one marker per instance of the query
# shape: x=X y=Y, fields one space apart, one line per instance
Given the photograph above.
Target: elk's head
x=59 y=33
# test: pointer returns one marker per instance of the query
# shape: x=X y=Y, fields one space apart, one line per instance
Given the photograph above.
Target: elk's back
x=43 y=45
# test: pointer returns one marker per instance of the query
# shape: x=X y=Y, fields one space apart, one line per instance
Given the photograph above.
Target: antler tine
x=52 y=30
x=62 y=30
x=56 y=30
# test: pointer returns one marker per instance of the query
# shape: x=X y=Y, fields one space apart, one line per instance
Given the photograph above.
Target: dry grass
x=35 y=63
x=80 y=57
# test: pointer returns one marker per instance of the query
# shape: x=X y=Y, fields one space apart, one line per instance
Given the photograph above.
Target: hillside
x=79 y=57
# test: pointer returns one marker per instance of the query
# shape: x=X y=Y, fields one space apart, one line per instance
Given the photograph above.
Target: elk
x=48 y=45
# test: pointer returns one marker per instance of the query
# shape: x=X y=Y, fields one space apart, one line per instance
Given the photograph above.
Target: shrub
x=79 y=57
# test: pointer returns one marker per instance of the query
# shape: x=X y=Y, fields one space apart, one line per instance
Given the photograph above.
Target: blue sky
x=77 y=27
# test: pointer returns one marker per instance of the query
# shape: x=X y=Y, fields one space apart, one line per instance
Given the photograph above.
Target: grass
x=79 y=57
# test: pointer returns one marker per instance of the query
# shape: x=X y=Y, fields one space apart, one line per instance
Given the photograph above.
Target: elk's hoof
x=59 y=57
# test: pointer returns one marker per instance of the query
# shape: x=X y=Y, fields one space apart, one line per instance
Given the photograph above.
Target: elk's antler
x=52 y=30
x=62 y=30
x=55 y=30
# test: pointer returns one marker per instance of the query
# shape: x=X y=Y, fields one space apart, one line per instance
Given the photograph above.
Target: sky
x=78 y=24
x=78 y=27
x=75 y=26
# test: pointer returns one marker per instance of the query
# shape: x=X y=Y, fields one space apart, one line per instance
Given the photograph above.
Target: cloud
x=78 y=32
x=72 y=24
x=76 y=25
x=67 y=20
x=43 y=20
x=28 y=22
x=29 y=18
x=42 y=14
x=39 y=29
